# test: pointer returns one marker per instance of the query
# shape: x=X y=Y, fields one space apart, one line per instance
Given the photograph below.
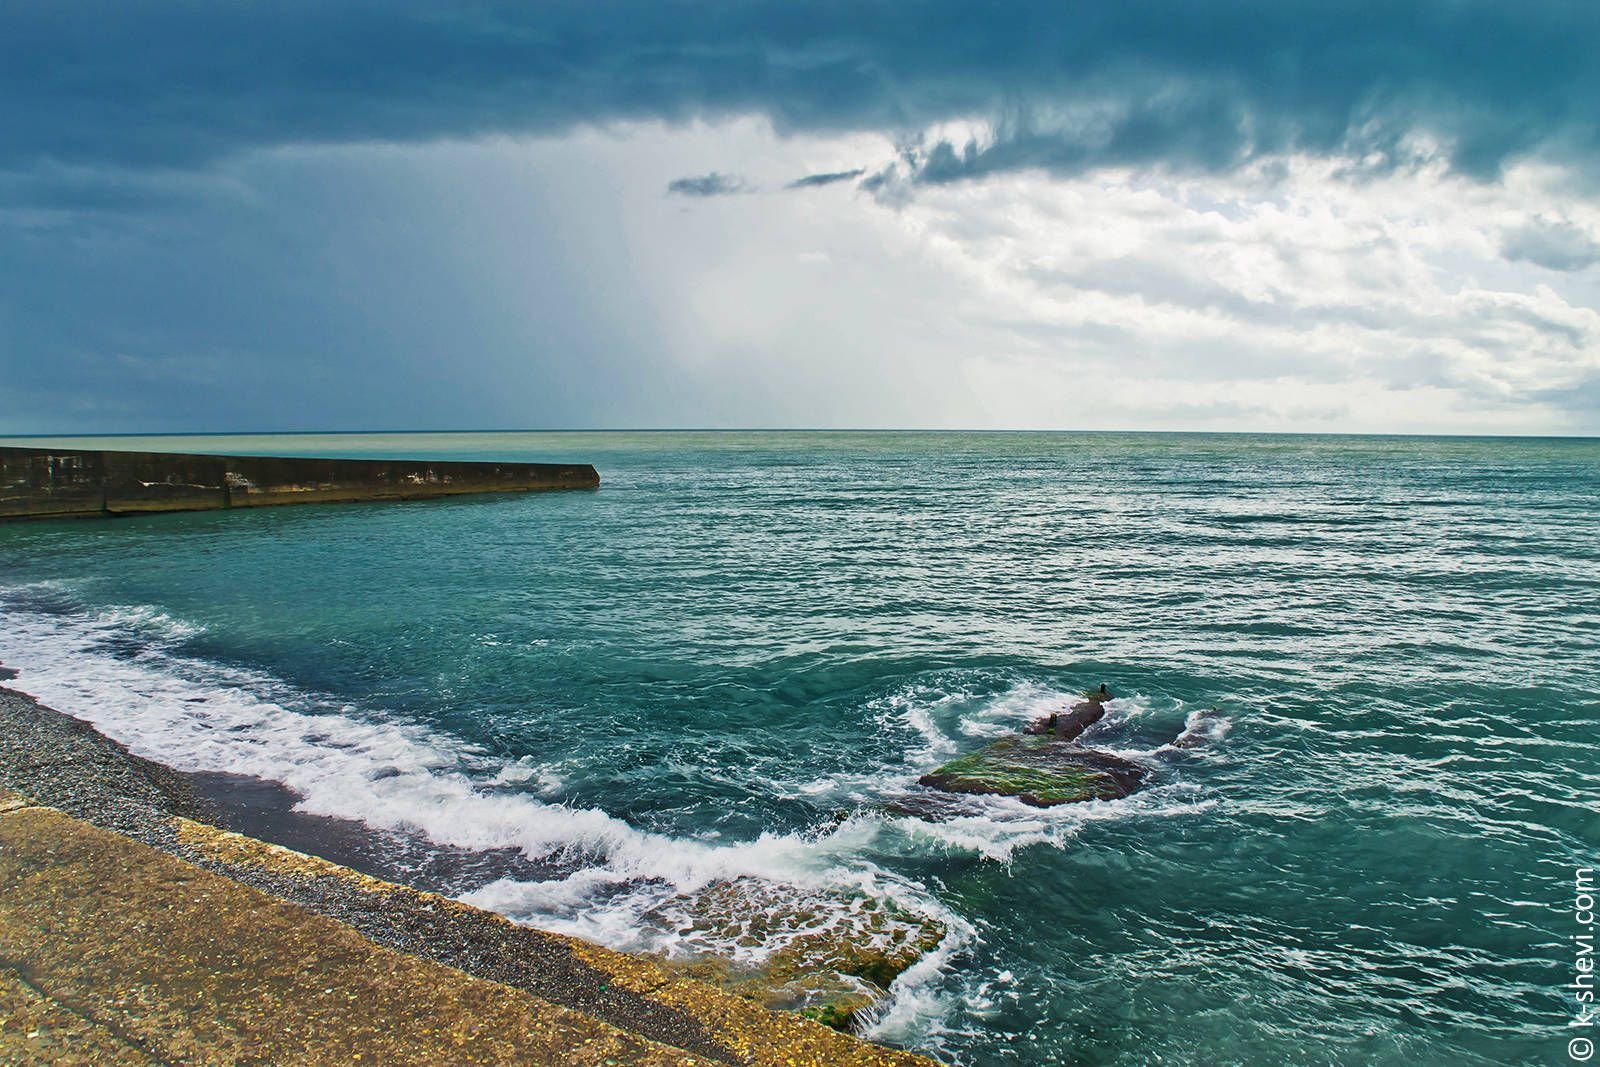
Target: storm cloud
x=1246 y=214
x=1063 y=87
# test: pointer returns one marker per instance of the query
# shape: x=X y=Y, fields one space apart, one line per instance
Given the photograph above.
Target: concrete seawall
x=132 y=931
x=66 y=483
x=119 y=953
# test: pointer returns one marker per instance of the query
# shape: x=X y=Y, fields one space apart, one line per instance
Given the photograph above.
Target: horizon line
x=806 y=429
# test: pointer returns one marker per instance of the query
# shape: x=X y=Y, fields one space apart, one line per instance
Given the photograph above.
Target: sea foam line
x=199 y=716
x=125 y=671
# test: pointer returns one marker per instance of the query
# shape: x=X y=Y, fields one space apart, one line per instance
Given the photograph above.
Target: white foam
x=997 y=827
x=1205 y=724
x=915 y=710
x=390 y=775
x=529 y=771
x=1016 y=707
x=198 y=716
x=151 y=622
x=995 y=835
x=917 y=997
x=367 y=765
x=944 y=716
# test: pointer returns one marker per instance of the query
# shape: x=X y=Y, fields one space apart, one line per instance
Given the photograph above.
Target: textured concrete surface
x=60 y=762
x=37 y=1029
x=114 y=952
x=632 y=992
x=67 y=483
x=156 y=957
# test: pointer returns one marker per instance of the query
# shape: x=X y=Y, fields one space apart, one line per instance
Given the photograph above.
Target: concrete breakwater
x=135 y=933
x=67 y=483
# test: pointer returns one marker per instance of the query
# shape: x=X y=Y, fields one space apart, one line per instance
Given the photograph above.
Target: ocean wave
x=622 y=886
x=998 y=827
x=199 y=716
x=628 y=883
x=947 y=713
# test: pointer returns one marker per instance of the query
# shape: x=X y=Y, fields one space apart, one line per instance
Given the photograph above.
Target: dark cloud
x=811 y=181
x=890 y=186
x=1201 y=131
x=1554 y=246
x=873 y=182
x=321 y=298
x=712 y=184
x=1067 y=86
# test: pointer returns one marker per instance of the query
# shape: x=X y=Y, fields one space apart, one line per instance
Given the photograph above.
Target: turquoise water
x=727 y=660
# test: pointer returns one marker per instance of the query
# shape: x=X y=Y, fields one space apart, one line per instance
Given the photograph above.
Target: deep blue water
x=725 y=661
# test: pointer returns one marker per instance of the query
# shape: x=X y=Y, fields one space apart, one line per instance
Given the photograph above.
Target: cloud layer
x=1063 y=86
x=552 y=283
x=1239 y=215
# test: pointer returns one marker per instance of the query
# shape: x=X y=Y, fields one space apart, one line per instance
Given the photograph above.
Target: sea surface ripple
x=729 y=658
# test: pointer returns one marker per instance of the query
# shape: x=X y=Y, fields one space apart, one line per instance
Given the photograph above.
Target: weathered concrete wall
x=62 y=483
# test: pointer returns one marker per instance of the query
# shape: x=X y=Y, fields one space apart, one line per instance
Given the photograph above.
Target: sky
x=1253 y=215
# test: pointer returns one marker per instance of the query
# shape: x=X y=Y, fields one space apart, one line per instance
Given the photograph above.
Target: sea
x=734 y=659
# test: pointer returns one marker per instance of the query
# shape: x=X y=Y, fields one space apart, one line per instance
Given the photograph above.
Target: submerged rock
x=1201 y=727
x=1040 y=771
x=928 y=805
x=828 y=955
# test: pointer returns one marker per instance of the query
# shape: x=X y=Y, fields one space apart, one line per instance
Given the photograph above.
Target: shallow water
x=730 y=657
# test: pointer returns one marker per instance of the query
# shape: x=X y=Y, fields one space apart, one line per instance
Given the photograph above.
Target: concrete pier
x=67 y=483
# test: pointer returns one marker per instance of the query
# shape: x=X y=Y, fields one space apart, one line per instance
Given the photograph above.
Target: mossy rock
x=833 y=999
x=1040 y=771
x=837 y=951
x=840 y=1016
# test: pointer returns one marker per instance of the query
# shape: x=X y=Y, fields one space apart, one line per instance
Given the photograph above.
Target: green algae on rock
x=1038 y=771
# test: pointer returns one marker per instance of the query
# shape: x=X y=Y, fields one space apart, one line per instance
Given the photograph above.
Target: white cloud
x=1288 y=296
x=554 y=281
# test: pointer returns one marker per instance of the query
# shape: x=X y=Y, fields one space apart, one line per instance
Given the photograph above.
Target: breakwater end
x=71 y=483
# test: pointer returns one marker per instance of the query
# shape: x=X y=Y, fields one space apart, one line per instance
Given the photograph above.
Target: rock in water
x=1201 y=727
x=1067 y=725
x=828 y=954
x=1040 y=771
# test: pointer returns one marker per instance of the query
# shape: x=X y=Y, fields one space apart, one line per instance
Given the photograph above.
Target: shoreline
x=58 y=762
